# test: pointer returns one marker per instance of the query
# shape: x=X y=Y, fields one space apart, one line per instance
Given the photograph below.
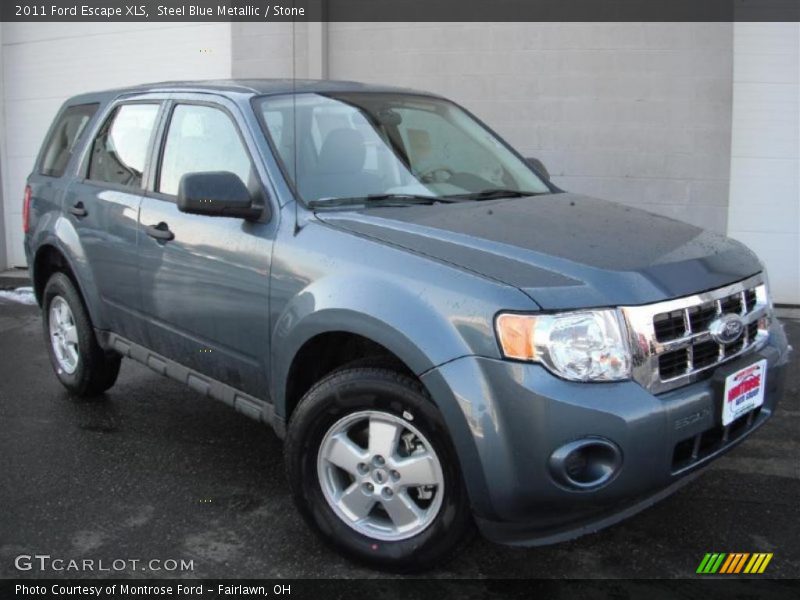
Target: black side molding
x=250 y=406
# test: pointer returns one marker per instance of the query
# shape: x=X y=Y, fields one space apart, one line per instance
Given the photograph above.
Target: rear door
x=64 y=137
x=53 y=172
x=205 y=285
x=103 y=204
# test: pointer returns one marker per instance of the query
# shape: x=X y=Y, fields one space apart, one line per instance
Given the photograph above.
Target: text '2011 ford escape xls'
x=442 y=336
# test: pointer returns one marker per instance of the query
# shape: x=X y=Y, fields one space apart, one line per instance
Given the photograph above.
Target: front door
x=205 y=279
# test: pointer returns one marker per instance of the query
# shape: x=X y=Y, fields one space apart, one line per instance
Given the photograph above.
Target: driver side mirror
x=216 y=193
x=539 y=167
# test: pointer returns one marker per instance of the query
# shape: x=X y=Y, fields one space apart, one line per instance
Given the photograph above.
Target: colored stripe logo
x=734 y=563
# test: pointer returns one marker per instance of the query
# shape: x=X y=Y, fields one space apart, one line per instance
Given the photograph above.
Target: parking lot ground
x=154 y=471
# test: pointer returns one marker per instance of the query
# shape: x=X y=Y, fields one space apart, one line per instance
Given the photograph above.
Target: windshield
x=360 y=145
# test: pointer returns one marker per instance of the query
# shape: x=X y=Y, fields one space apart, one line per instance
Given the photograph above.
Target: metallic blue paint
x=237 y=300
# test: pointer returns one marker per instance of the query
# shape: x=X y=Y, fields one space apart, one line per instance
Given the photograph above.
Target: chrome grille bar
x=646 y=349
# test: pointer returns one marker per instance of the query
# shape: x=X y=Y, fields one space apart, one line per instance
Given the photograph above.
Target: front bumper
x=507 y=418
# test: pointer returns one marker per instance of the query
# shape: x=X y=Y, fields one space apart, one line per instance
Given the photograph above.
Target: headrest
x=343 y=151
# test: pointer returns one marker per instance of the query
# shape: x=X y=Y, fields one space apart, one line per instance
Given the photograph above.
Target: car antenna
x=294 y=124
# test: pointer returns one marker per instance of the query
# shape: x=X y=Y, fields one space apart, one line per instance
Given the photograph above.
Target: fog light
x=586 y=464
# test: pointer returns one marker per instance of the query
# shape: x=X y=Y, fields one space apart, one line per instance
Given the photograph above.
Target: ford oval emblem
x=726 y=328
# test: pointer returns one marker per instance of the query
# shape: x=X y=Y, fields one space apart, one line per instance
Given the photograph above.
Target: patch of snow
x=23 y=295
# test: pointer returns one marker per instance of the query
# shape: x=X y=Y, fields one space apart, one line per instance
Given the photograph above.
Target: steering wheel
x=438 y=174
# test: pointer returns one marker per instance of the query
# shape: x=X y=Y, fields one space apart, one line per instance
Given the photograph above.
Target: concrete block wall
x=765 y=160
x=634 y=112
x=271 y=49
x=4 y=263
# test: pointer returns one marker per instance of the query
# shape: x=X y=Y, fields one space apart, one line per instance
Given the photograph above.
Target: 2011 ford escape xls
x=442 y=336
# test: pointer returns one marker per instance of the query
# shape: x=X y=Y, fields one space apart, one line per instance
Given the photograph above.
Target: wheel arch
x=320 y=348
x=52 y=256
x=48 y=260
x=412 y=323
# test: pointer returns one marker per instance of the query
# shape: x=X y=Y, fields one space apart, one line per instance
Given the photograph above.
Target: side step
x=250 y=406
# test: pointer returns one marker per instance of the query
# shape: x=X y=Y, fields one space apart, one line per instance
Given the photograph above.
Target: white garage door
x=765 y=163
x=45 y=63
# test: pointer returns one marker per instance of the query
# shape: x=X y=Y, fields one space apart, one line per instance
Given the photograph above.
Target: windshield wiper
x=496 y=193
x=382 y=199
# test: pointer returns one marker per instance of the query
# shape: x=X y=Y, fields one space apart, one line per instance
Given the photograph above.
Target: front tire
x=77 y=359
x=373 y=470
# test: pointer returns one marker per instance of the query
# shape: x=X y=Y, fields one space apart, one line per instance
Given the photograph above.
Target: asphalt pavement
x=153 y=471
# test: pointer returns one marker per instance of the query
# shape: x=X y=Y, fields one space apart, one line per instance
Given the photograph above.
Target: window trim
x=262 y=201
x=86 y=160
x=75 y=145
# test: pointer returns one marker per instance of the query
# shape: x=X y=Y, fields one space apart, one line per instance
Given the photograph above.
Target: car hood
x=563 y=250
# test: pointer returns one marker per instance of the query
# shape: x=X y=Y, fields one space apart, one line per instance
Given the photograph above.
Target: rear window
x=59 y=146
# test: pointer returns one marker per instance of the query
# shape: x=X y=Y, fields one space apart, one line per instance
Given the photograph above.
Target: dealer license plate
x=744 y=391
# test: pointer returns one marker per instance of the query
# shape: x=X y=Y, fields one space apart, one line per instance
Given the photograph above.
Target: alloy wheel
x=63 y=335
x=380 y=475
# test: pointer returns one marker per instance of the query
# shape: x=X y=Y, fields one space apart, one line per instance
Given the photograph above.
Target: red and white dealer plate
x=744 y=391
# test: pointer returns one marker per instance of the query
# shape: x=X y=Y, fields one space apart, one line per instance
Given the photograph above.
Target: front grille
x=701 y=316
x=750 y=299
x=672 y=364
x=699 y=353
x=729 y=350
x=669 y=326
x=704 y=355
x=671 y=341
x=694 y=449
x=732 y=304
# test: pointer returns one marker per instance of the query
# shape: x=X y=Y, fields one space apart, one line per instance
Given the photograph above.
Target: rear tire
x=79 y=362
x=355 y=405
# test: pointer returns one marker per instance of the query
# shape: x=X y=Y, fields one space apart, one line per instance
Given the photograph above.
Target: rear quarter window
x=58 y=147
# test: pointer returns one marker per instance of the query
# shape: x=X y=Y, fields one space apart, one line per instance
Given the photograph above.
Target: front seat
x=340 y=168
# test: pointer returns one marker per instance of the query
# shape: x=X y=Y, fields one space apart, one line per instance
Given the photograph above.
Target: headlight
x=764 y=296
x=581 y=346
x=767 y=290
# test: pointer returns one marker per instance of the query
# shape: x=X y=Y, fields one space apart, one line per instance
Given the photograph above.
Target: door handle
x=78 y=210
x=160 y=232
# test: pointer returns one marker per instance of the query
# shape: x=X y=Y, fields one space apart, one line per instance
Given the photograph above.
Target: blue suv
x=443 y=337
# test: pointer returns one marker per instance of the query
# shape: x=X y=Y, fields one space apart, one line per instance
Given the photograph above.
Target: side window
x=119 y=151
x=58 y=147
x=202 y=139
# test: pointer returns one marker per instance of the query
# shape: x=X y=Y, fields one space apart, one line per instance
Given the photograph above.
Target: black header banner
x=399 y=10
